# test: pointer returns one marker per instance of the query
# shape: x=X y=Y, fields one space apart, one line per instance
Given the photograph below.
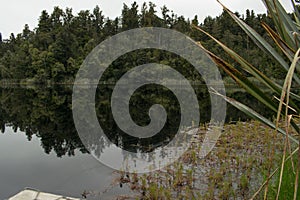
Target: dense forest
x=55 y=49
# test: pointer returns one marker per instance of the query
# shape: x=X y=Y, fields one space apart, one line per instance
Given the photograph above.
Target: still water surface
x=23 y=164
x=40 y=147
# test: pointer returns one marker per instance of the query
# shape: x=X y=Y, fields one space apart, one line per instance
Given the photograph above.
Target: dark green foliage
x=45 y=113
x=55 y=49
x=288 y=182
x=130 y=18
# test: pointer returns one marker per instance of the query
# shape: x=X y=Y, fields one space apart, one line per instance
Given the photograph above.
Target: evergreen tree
x=149 y=17
x=26 y=32
x=43 y=32
x=130 y=17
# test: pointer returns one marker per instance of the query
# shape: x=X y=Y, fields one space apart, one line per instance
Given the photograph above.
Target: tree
x=44 y=23
x=194 y=33
x=111 y=27
x=43 y=32
x=68 y=17
x=57 y=19
x=181 y=25
x=148 y=16
x=130 y=17
x=82 y=27
x=26 y=32
x=98 y=19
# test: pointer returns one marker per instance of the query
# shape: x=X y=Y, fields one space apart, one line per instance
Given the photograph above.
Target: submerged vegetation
x=234 y=169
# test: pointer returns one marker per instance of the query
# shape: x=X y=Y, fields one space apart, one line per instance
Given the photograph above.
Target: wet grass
x=288 y=180
x=245 y=154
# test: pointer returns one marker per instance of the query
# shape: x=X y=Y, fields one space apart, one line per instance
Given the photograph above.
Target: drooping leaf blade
x=250 y=112
x=243 y=81
x=260 y=41
x=283 y=22
x=288 y=51
x=248 y=67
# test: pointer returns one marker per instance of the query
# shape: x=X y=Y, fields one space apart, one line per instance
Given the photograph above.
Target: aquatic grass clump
x=233 y=170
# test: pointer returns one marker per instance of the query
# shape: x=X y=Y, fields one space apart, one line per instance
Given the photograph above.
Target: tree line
x=55 y=49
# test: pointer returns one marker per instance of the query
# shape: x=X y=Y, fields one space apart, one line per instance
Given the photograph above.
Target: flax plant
x=285 y=51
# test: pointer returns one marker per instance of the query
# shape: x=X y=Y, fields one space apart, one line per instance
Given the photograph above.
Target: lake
x=40 y=147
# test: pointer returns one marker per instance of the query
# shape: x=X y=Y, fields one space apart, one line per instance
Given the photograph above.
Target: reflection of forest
x=46 y=113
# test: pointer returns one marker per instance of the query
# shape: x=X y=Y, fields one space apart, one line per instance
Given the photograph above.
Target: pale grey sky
x=14 y=14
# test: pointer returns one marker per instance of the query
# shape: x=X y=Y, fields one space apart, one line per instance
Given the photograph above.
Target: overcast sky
x=14 y=14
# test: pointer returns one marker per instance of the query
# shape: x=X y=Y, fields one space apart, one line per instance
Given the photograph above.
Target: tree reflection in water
x=47 y=113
